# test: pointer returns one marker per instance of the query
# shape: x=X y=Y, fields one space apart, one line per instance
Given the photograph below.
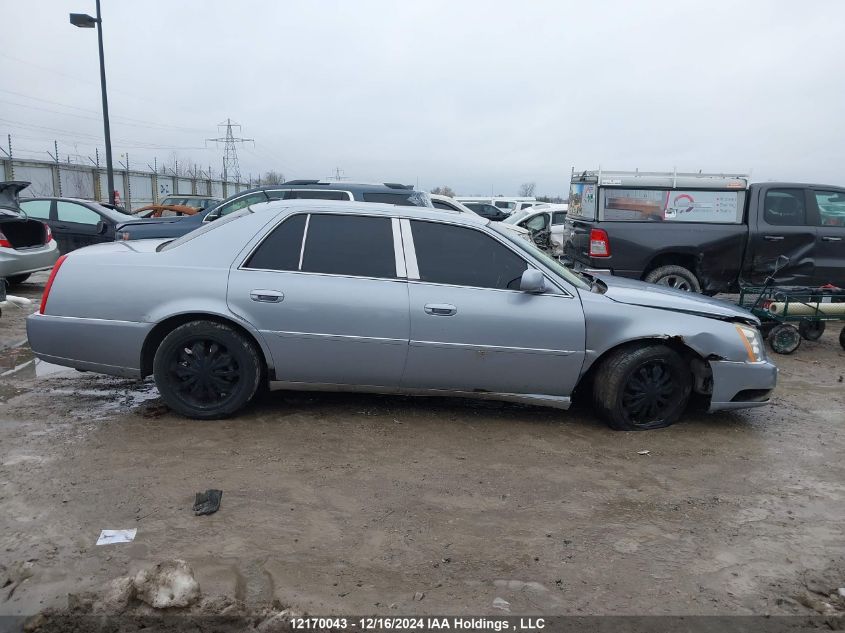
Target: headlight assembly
x=753 y=343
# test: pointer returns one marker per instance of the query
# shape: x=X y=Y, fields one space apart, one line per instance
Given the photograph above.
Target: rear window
x=582 y=200
x=205 y=228
x=671 y=205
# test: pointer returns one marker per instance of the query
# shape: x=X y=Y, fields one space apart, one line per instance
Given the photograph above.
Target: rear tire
x=207 y=370
x=17 y=279
x=642 y=388
x=676 y=277
x=842 y=338
x=811 y=330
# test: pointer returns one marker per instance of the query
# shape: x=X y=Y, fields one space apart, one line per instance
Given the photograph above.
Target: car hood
x=639 y=293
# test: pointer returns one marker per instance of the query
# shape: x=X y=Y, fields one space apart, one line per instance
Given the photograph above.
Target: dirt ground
x=367 y=504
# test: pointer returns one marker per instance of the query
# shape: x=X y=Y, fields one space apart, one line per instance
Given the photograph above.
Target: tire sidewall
x=236 y=344
x=657 y=274
x=680 y=374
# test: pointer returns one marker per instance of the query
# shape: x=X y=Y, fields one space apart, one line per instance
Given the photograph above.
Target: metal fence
x=135 y=188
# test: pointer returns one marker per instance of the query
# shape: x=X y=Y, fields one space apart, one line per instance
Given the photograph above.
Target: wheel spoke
x=204 y=372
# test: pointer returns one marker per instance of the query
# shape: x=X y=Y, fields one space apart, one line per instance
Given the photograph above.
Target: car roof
x=354 y=207
x=192 y=195
x=332 y=185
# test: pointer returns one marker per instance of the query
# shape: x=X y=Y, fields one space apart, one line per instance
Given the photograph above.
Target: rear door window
x=785 y=207
x=360 y=246
x=831 y=206
x=76 y=213
x=559 y=217
x=37 y=209
x=461 y=256
x=282 y=248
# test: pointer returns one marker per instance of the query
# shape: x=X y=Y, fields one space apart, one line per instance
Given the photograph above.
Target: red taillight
x=599 y=243
x=50 y=280
x=4 y=243
x=48 y=234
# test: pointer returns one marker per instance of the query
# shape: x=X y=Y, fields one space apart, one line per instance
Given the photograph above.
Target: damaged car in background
x=322 y=295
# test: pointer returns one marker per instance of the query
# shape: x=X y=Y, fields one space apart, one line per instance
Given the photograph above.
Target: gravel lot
x=372 y=504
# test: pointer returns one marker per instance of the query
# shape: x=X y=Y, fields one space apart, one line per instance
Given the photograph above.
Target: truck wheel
x=206 y=370
x=811 y=330
x=842 y=338
x=784 y=338
x=17 y=279
x=641 y=388
x=676 y=277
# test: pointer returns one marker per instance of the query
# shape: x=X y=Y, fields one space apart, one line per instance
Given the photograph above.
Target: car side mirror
x=532 y=281
x=102 y=227
x=210 y=217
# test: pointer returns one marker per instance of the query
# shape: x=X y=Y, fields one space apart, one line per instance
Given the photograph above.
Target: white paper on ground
x=107 y=537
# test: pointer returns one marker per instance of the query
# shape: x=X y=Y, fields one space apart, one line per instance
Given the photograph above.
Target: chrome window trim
x=413 y=271
x=398 y=251
x=304 y=237
x=306 y=272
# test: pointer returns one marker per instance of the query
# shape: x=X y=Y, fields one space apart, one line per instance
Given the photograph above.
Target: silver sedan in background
x=322 y=295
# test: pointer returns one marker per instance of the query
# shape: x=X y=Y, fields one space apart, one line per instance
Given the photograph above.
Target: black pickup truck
x=706 y=233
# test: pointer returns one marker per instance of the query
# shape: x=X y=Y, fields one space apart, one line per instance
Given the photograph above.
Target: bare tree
x=445 y=190
x=272 y=178
x=526 y=189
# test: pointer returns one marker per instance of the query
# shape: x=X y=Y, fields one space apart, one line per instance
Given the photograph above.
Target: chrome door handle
x=773 y=238
x=440 y=309
x=830 y=238
x=267 y=296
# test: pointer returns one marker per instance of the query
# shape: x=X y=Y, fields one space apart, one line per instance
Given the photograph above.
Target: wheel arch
x=677 y=343
x=688 y=260
x=164 y=327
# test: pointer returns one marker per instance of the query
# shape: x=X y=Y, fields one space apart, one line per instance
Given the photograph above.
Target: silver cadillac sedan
x=321 y=295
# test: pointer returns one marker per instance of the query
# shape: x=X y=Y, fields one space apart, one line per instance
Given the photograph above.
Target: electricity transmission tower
x=231 y=168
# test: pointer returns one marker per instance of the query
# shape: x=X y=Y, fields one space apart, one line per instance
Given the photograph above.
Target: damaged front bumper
x=740 y=385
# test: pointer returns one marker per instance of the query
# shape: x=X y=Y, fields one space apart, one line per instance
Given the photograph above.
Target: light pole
x=85 y=21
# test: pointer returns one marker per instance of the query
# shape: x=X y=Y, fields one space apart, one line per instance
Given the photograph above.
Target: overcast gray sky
x=478 y=95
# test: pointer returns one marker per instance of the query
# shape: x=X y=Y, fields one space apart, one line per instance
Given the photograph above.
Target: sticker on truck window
x=662 y=205
x=582 y=200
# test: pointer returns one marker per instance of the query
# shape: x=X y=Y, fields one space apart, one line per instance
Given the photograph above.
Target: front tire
x=784 y=338
x=642 y=388
x=207 y=370
x=676 y=277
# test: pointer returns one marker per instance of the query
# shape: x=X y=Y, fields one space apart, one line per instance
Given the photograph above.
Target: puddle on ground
x=102 y=394
x=20 y=362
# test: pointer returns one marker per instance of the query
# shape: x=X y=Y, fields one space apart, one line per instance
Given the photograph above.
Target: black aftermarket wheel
x=784 y=338
x=206 y=370
x=641 y=388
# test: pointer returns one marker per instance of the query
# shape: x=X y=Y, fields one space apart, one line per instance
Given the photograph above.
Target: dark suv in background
x=386 y=193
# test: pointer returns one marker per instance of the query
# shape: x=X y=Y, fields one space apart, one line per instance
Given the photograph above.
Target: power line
x=97 y=112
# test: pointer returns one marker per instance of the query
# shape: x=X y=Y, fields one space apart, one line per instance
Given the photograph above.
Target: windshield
x=205 y=228
x=547 y=260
